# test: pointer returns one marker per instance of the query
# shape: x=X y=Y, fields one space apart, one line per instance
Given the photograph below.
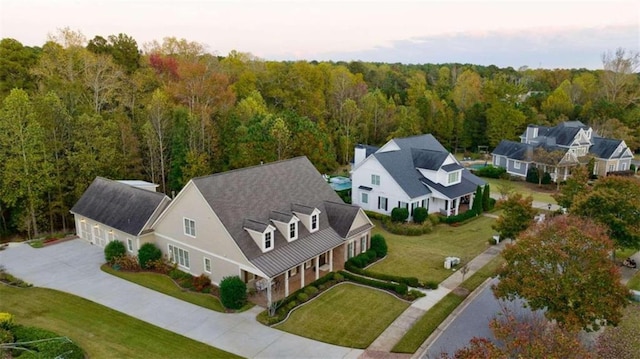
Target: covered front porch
x=269 y=290
x=454 y=206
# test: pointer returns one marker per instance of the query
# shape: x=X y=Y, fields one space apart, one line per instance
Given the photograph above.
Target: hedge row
x=489 y=171
x=459 y=217
x=400 y=288
x=409 y=281
x=407 y=229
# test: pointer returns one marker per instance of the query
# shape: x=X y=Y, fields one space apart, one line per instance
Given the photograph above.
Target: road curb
x=443 y=326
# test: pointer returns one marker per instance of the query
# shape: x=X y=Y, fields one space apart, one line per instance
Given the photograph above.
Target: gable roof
x=468 y=183
x=428 y=159
x=341 y=217
x=119 y=205
x=256 y=193
x=604 y=147
x=512 y=149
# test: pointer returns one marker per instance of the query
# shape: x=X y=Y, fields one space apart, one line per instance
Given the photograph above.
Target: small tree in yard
x=477 y=201
x=486 y=198
x=516 y=217
x=562 y=266
x=113 y=250
x=233 y=292
x=148 y=253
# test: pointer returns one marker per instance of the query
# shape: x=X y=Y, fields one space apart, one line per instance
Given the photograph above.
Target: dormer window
x=314 y=223
x=454 y=177
x=268 y=240
x=293 y=230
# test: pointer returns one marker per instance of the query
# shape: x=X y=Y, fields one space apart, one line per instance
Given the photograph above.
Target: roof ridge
x=235 y=170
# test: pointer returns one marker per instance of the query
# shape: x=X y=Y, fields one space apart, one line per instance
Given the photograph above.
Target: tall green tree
x=562 y=266
x=613 y=202
x=517 y=215
x=504 y=122
x=573 y=187
x=24 y=167
x=477 y=200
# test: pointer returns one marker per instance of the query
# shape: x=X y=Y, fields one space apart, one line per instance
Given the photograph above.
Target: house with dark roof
x=277 y=225
x=118 y=210
x=411 y=172
x=576 y=140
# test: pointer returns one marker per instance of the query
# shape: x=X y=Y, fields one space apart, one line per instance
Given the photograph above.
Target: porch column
x=286 y=283
x=331 y=260
x=317 y=267
x=302 y=275
x=457 y=205
x=269 y=293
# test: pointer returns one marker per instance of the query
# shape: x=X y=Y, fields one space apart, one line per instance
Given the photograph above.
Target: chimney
x=359 y=155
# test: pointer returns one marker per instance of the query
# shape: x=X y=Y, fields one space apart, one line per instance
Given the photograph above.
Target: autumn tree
x=281 y=135
x=517 y=215
x=157 y=130
x=613 y=202
x=524 y=335
x=618 y=80
x=574 y=186
x=562 y=266
x=550 y=158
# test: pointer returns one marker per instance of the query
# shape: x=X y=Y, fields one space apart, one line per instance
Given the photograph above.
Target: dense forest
x=168 y=111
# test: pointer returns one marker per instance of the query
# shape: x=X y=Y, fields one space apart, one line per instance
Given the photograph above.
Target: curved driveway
x=74 y=267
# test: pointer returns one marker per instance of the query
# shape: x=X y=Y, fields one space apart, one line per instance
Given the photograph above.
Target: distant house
x=118 y=210
x=577 y=140
x=277 y=225
x=411 y=172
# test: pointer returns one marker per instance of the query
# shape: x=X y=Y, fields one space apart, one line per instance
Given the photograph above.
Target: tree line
x=170 y=110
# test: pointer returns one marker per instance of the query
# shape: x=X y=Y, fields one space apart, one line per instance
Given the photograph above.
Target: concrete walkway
x=381 y=347
x=74 y=267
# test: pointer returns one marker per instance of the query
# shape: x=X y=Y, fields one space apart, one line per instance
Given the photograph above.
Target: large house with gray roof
x=118 y=210
x=576 y=140
x=411 y=172
x=278 y=225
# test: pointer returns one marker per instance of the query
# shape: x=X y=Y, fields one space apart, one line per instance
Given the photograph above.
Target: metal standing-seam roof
x=257 y=192
x=119 y=205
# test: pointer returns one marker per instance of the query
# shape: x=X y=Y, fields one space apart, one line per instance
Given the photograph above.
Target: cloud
x=546 y=48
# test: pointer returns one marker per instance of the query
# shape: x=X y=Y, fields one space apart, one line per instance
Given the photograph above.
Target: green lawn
x=539 y=195
x=163 y=284
x=346 y=315
x=100 y=331
x=423 y=256
x=634 y=283
x=423 y=328
x=622 y=341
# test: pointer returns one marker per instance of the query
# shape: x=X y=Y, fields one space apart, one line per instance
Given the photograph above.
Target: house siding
x=388 y=187
x=89 y=234
x=522 y=171
x=211 y=240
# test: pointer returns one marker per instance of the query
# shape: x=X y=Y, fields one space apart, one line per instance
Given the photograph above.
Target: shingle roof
x=428 y=159
x=341 y=217
x=512 y=149
x=564 y=133
x=399 y=165
x=468 y=184
x=425 y=142
x=369 y=150
x=604 y=147
x=452 y=167
x=118 y=205
x=255 y=192
x=281 y=216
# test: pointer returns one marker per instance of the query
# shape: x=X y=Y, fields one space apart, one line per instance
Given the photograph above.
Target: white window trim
x=130 y=245
x=364 y=197
x=375 y=179
x=264 y=241
x=204 y=264
x=308 y=264
x=457 y=177
x=172 y=249
x=295 y=230
x=293 y=271
x=184 y=227
x=363 y=243
x=516 y=165
x=317 y=217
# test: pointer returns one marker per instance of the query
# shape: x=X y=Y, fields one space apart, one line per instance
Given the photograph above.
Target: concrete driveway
x=74 y=267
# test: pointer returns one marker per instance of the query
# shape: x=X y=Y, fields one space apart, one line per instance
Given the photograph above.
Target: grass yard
x=348 y=315
x=538 y=194
x=423 y=256
x=622 y=341
x=163 y=284
x=634 y=283
x=100 y=331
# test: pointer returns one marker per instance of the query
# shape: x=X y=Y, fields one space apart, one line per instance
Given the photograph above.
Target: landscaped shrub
x=434 y=219
x=632 y=167
x=201 y=282
x=460 y=217
x=61 y=347
x=415 y=294
x=113 y=250
x=310 y=290
x=546 y=179
x=410 y=281
x=375 y=215
x=532 y=175
x=147 y=253
x=398 y=288
x=407 y=229
x=379 y=245
x=477 y=200
x=490 y=171
x=420 y=214
x=302 y=297
x=399 y=214
x=233 y=292
x=127 y=263
x=431 y=284
x=161 y=266
x=6 y=337
x=6 y=320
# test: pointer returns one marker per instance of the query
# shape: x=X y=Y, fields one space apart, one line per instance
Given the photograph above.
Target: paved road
x=74 y=267
x=472 y=321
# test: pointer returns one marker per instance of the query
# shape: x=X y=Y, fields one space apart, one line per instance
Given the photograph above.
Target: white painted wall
x=388 y=187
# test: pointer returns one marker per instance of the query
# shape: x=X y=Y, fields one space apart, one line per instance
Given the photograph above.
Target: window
x=110 y=236
x=375 y=180
x=403 y=205
x=268 y=243
x=190 y=227
x=623 y=166
x=207 y=265
x=129 y=244
x=365 y=197
x=382 y=203
x=414 y=205
x=612 y=168
x=179 y=255
x=453 y=177
x=516 y=165
x=307 y=264
x=84 y=227
x=351 y=249
x=293 y=233
x=293 y=271
x=363 y=244
x=314 y=222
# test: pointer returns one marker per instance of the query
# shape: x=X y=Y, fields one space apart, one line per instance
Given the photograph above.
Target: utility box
x=450 y=262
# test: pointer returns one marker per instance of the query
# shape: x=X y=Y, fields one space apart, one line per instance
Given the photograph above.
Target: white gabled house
x=411 y=172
